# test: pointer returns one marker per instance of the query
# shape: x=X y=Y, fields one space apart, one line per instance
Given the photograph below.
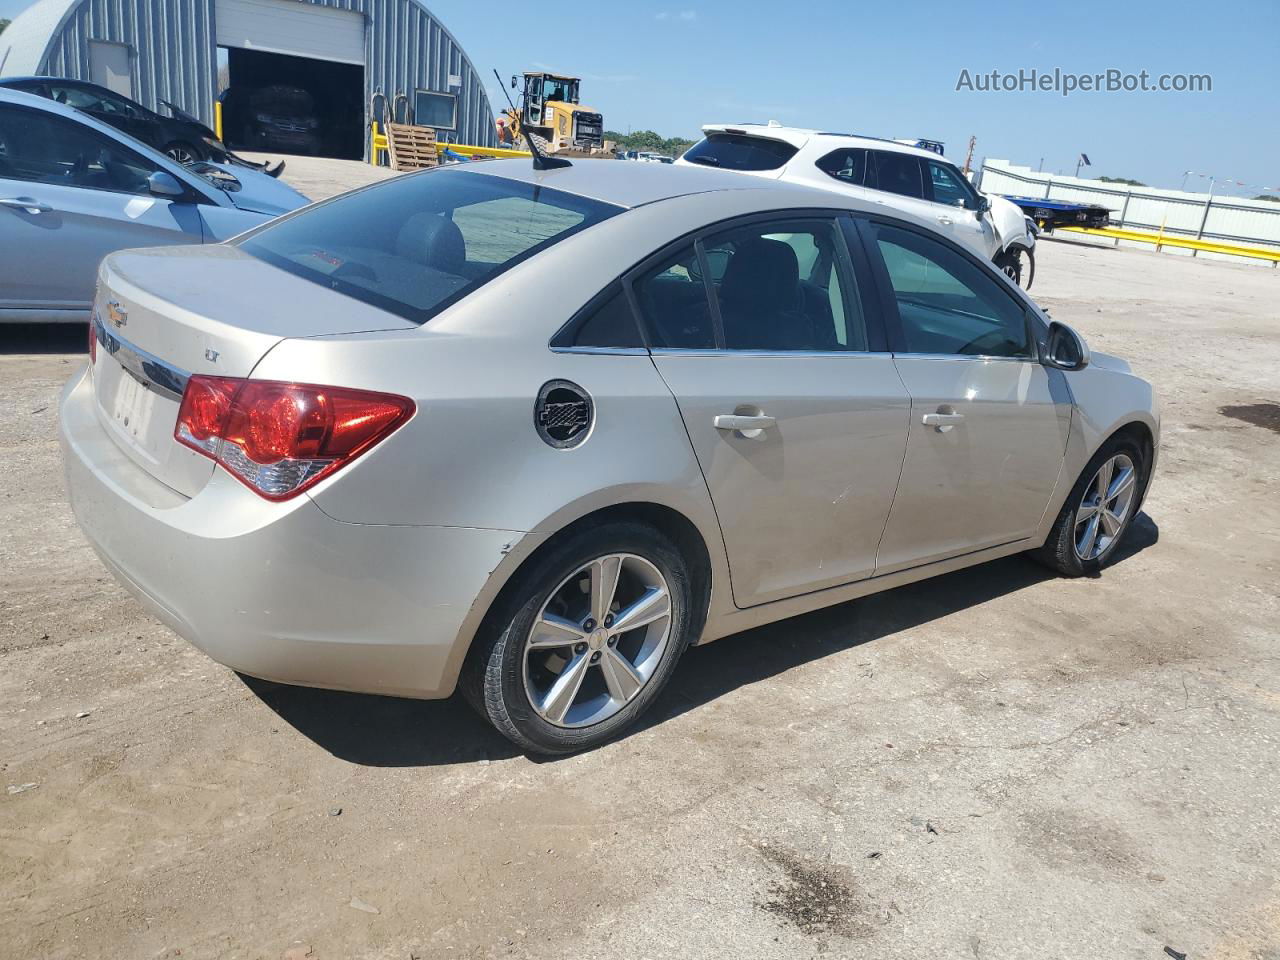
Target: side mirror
x=984 y=205
x=1065 y=349
x=162 y=184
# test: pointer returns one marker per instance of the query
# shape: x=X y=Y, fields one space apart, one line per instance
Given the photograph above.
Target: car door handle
x=750 y=427
x=945 y=221
x=29 y=204
x=943 y=421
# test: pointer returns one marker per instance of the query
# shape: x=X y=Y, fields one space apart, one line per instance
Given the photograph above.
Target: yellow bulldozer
x=550 y=113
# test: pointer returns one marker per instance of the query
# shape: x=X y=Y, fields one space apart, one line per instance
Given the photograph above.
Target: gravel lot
x=995 y=764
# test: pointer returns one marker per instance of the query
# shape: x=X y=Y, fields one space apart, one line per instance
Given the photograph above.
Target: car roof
x=822 y=140
x=636 y=184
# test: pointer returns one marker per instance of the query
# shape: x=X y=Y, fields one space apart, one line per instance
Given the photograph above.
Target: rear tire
x=554 y=697
x=1090 y=526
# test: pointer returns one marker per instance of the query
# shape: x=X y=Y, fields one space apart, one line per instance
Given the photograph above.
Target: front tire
x=1019 y=265
x=584 y=640
x=1099 y=511
x=184 y=153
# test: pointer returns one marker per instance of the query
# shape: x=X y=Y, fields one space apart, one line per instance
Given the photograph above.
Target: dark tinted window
x=735 y=151
x=42 y=148
x=895 y=173
x=413 y=245
x=779 y=288
x=674 y=301
x=847 y=166
x=948 y=185
x=947 y=304
x=611 y=324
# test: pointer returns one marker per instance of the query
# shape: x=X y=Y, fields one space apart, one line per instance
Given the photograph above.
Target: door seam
x=706 y=484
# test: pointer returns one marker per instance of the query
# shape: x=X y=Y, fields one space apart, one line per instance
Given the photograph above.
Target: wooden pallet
x=411 y=147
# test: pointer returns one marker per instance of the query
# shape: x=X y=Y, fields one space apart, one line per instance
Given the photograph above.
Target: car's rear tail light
x=280 y=438
x=93 y=341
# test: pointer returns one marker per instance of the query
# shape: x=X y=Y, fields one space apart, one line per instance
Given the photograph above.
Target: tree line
x=649 y=140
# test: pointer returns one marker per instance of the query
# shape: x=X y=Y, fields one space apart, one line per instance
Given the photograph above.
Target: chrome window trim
x=905 y=355
x=149 y=370
x=606 y=351
x=780 y=354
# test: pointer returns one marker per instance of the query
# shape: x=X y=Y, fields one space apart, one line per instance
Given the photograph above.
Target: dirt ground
x=994 y=764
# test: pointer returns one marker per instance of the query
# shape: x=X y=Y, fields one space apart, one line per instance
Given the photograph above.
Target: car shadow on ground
x=393 y=732
x=36 y=338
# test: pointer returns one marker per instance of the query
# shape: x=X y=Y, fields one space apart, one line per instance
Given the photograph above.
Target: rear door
x=989 y=422
x=70 y=195
x=796 y=413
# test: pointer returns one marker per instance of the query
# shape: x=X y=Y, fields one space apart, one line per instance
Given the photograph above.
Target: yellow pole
x=217 y=119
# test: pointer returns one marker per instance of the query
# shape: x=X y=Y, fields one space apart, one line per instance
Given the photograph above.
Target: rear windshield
x=734 y=151
x=416 y=244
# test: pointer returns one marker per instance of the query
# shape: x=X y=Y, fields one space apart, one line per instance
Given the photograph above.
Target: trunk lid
x=163 y=314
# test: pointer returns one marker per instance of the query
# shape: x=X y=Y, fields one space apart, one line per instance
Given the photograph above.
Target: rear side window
x=847 y=166
x=895 y=173
x=736 y=151
x=779 y=289
x=416 y=244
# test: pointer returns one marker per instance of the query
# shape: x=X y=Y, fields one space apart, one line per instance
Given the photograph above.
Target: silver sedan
x=533 y=433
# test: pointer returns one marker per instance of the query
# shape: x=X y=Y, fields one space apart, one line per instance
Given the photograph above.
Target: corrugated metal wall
x=175 y=54
x=1228 y=219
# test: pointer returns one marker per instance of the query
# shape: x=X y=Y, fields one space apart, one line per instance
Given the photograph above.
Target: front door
x=955 y=204
x=796 y=414
x=989 y=422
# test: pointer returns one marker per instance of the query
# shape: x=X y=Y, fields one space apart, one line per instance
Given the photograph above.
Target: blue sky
x=890 y=69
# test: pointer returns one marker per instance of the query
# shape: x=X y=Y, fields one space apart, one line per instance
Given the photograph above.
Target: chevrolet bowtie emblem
x=116 y=313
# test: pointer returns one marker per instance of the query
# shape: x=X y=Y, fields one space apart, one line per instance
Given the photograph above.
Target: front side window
x=895 y=173
x=42 y=148
x=847 y=166
x=416 y=244
x=735 y=151
x=949 y=186
x=947 y=304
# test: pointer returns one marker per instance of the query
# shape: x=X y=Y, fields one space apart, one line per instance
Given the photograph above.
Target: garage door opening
x=276 y=103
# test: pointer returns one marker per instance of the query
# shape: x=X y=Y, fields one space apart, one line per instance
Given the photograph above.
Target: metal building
x=340 y=52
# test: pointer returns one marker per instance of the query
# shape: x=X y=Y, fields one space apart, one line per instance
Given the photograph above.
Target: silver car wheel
x=181 y=154
x=597 y=640
x=1104 y=507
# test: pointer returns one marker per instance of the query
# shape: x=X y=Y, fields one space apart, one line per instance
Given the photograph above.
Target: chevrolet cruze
x=532 y=433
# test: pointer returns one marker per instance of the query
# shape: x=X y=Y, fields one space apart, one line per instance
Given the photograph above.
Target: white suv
x=898 y=175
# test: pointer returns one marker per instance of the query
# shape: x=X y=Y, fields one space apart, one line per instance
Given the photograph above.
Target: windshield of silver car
x=416 y=244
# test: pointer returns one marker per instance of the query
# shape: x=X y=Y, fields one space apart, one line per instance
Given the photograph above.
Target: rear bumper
x=279 y=591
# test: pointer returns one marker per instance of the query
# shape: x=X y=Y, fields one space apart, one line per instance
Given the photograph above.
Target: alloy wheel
x=182 y=155
x=1013 y=266
x=597 y=640
x=1104 y=507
